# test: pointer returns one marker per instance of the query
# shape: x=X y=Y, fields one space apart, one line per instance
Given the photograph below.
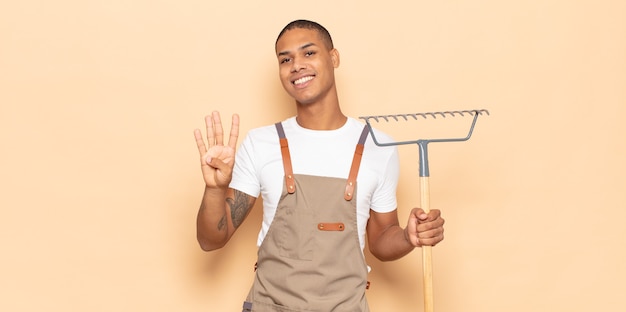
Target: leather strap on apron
x=354 y=169
x=356 y=163
x=284 y=151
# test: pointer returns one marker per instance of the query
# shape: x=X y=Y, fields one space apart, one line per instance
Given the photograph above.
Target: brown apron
x=311 y=259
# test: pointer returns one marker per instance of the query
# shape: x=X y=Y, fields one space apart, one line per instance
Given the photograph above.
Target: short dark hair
x=305 y=24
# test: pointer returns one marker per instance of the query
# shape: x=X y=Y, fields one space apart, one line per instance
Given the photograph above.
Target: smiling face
x=306 y=65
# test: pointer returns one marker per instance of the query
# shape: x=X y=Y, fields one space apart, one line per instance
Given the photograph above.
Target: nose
x=297 y=65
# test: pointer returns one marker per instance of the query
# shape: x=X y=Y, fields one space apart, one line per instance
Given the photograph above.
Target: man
x=325 y=186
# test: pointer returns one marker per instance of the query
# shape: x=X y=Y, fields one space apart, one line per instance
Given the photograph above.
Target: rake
x=424 y=173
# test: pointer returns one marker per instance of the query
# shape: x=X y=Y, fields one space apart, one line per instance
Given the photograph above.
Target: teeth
x=303 y=80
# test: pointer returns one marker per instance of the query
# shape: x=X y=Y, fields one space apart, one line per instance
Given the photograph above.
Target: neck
x=319 y=117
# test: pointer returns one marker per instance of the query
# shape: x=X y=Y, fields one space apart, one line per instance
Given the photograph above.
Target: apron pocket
x=296 y=239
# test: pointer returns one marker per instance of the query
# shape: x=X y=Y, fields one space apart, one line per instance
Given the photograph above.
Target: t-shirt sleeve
x=384 y=197
x=245 y=178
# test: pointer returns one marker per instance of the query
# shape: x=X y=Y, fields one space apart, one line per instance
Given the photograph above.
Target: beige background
x=99 y=172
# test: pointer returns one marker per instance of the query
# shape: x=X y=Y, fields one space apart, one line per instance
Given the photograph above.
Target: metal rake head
x=423 y=143
x=415 y=116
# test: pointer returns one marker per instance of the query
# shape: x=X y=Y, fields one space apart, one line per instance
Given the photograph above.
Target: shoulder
x=375 y=136
x=264 y=135
x=263 y=131
x=270 y=130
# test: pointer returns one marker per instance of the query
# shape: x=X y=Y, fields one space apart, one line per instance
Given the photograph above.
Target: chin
x=305 y=101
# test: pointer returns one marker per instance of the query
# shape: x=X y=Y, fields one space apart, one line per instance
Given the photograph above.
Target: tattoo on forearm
x=239 y=207
x=222 y=224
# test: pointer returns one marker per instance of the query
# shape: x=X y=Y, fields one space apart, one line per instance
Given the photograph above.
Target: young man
x=325 y=187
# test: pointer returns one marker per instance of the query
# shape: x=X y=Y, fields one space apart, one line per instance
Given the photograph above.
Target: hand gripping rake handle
x=427 y=263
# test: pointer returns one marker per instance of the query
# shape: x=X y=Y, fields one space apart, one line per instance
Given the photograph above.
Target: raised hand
x=217 y=159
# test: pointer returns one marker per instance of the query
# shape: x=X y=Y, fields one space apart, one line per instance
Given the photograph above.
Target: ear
x=334 y=55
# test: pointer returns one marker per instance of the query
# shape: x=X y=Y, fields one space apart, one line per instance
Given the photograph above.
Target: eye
x=309 y=53
x=285 y=60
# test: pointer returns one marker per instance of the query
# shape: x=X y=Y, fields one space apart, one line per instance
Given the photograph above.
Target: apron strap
x=354 y=169
x=356 y=163
x=284 y=150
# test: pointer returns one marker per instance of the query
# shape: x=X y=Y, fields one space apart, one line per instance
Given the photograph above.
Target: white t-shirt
x=259 y=167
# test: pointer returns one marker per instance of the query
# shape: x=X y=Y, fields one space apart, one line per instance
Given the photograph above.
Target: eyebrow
x=300 y=48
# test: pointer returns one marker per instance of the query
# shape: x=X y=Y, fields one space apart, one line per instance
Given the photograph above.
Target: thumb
x=420 y=214
x=218 y=165
x=213 y=162
x=208 y=160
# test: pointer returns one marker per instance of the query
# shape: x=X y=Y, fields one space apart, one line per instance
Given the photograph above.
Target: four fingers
x=215 y=132
x=429 y=227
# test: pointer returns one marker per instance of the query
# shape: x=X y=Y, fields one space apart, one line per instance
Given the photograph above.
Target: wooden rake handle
x=427 y=258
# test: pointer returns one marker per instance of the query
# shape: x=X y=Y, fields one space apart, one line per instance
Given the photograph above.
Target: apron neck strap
x=284 y=150
x=354 y=169
x=356 y=163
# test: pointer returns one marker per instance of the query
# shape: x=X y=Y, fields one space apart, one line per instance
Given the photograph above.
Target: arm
x=222 y=209
x=220 y=214
x=388 y=241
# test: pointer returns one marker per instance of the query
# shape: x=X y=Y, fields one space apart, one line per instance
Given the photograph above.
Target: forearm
x=392 y=244
x=212 y=221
